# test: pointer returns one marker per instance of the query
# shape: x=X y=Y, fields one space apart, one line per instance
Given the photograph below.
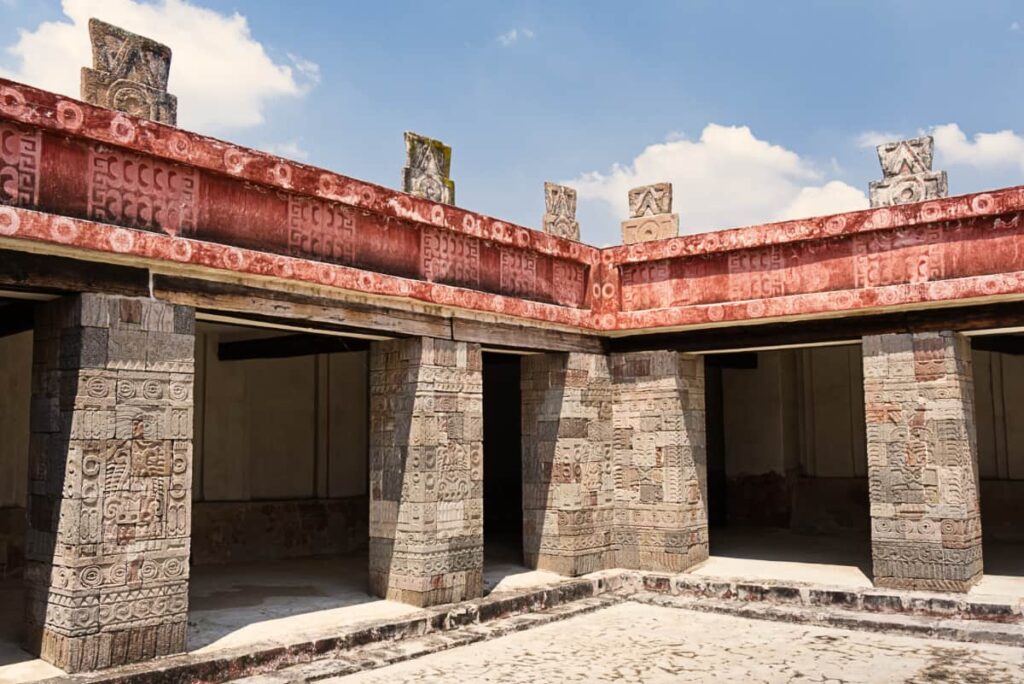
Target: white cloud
x=514 y=35
x=290 y=149
x=873 y=139
x=725 y=179
x=987 y=151
x=223 y=77
x=1015 y=26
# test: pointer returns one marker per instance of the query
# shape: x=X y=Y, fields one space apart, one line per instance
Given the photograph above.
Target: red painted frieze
x=113 y=168
x=76 y=175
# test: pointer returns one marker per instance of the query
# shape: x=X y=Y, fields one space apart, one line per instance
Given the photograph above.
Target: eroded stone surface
x=560 y=211
x=922 y=461
x=129 y=73
x=110 y=476
x=427 y=171
x=907 y=174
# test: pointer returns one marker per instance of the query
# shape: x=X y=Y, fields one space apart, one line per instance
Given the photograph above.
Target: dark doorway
x=503 y=479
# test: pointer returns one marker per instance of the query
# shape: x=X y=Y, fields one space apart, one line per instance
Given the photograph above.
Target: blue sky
x=756 y=110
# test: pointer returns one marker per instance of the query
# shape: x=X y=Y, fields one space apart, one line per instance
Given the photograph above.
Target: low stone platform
x=286 y=650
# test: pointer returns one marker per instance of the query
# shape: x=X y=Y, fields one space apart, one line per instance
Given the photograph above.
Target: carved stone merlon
x=650 y=215
x=907 y=174
x=129 y=73
x=428 y=164
x=560 y=211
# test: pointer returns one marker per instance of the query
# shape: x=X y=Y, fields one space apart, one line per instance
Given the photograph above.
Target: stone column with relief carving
x=110 y=481
x=560 y=212
x=922 y=461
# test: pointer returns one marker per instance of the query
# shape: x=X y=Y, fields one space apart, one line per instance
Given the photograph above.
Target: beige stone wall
x=292 y=428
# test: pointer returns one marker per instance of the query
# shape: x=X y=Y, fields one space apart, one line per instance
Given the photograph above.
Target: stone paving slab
x=636 y=642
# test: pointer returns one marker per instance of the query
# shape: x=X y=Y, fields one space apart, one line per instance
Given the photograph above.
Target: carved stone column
x=110 y=479
x=661 y=521
x=426 y=471
x=568 y=480
x=922 y=461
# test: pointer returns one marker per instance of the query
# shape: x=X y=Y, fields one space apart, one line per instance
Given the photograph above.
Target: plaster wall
x=281 y=453
x=999 y=406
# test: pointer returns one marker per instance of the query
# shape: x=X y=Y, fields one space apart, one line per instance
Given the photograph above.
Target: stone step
x=951 y=629
x=1000 y=609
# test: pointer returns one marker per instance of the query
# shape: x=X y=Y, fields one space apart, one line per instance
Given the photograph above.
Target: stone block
x=648 y=228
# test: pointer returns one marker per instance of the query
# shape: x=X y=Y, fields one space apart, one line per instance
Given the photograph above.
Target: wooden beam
x=735 y=360
x=819 y=331
x=316 y=312
x=288 y=346
x=44 y=273
x=521 y=337
x=16 y=317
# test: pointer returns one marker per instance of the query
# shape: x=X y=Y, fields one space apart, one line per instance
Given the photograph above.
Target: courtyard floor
x=240 y=604
x=633 y=642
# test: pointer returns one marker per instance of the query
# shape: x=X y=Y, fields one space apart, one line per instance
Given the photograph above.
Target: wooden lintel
x=296 y=309
x=287 y=346
x=521 y=337
x=29 y=272
x=16 y=317
x=823 y=331
x=734 y=360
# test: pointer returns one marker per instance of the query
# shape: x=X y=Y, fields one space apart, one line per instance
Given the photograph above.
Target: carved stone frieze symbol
x=650 y=214
x=907 y=174
x=650 y=200
x=129 y=74
x=560 y=211
x=428 y=165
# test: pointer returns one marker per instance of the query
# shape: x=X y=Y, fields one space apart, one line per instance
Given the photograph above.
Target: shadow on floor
x=238 y=603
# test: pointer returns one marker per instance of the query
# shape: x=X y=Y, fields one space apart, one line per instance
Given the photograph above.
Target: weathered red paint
x=95 y=179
